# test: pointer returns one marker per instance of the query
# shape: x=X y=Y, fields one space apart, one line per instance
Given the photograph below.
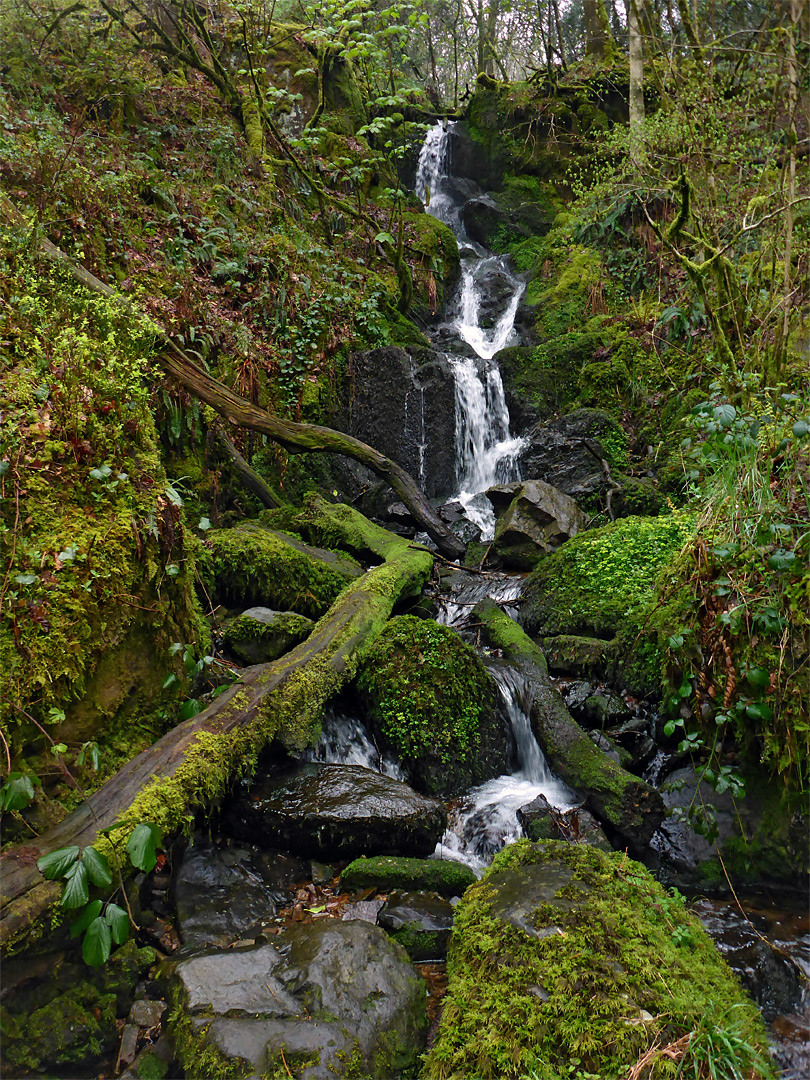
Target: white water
x=345 y=741
x=486 y=453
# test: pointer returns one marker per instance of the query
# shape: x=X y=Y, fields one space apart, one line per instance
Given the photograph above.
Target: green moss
x=622 y=966
x=75 y=1028
x=254 y=566
x=428 y=689
x=386 y=872
x=198 y=1056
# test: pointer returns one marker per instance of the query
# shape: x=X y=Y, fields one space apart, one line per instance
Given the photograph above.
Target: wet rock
x=575 y=695
x=260 y=634
x=145 y=1013
x=443 y=876
x=221 y=894
x=537 y=519
x=322 y=993
x=570 y=654
x=568 y=452
x=419 y=921
x=541 y=821
x=608 y=747
x=604 y=710
x=482 y=217
x=403 y=404
x=333 y=811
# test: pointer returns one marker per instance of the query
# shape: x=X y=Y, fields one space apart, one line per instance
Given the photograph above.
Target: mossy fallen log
x=295 y=438
x=193 y=765
x=630 y=808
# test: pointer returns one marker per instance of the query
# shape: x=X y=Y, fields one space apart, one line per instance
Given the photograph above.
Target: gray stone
x=606 y=745
x=537 y=519
x=420 y=921
x=146 y=1013
x=541 y=821
x=603 y=710
x=260 y=635
x=326 y=990
x=330 y=811
x=482 y=217
x=568 y=452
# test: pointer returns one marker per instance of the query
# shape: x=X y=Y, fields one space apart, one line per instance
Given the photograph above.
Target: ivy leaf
x=98 y=869
x=118 y=922
x=204 y=524
x=57 y=863
x=781 y=560
x=758 y=676
x=76 y=893
x=758 y=710
x=142 y=846
x=78 y=926
x=97 y=943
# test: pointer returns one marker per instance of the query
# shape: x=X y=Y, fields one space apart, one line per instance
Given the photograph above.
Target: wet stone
x=420 y=921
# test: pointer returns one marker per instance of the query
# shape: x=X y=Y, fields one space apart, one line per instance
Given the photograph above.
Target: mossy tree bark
x=193 y=765
x=630 y=809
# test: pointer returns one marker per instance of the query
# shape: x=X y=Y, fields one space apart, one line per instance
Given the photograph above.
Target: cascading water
x=486 y=453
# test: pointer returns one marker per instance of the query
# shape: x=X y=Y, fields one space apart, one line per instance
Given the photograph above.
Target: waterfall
x=486 y=453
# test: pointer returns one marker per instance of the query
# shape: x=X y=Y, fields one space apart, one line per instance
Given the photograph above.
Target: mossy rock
x=431 y=701
x=386 y=872
x=260 y=635
x=566 y=953
x=259 y=567
x=602 y=584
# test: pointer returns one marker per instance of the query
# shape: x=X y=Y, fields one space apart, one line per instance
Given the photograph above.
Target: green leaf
x=172 y=569
x=57 y=863
x=142 y=846
x=170 y=680
x=25 y=579
x=16 y=793
x=76 y=892
x=801 y=428
x=669 y=727
x=384 y=238
x=758 y=710
x=204 y=524
x=781 y=560
x=118 y=921
x=725 y=415
x=97 y=943
x=676 y=641
x=92 y=911
x=98 y=869
x=758 y=676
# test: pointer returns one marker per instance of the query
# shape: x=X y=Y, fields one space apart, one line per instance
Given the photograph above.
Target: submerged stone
x=331 y=811
x=325 y=995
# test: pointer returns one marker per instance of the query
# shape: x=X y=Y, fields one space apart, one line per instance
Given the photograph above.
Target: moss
x=386 y=872
x=75 y=1028
x=427 y=689
x=618 y=965
x=198 y=1056
x=259 y=642
x=420 y=945
x=255 y=566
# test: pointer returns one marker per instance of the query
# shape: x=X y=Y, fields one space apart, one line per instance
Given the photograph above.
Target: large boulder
x=432 y=703
x=482 y=217
x=564 y=952
x=338 y=811
x=533 y=518
x=326 y=999
x=568 y=452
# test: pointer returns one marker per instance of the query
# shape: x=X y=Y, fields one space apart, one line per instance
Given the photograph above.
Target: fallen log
x=294 y=437
x=630 y=809
x=192 y=766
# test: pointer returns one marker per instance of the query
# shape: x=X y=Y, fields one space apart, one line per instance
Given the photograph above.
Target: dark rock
x=575 y=695
x=222 y=895
x=403 y=404
x=482 y=217
x=260 y=634
x=568 y=452
x=573 y=655
x=608 y=747
x=541 y=821
x=419 y=921
x=331 y=811
x=323 y=992
x=444 y=876
x=604 y=710
x=537 y=519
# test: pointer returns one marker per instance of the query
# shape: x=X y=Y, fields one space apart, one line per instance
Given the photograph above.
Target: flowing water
x=482 y=316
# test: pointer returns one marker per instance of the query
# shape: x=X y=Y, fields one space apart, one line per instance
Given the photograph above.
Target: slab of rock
x=260 y=635
x=444 y=876
x=541 y=821
x=533 y=518
x=338 y=811
x=568 y=452
x=323 y=993
x=419 y=921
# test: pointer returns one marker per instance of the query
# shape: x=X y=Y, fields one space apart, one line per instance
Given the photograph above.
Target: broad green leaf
x=204 y=524
x=801 y=428
x=25 y=579
x=118 y=921
x=16 y=793
x=725 y=415
x=78 y=926
x=759 y=711
x=781 y=560
x=758 y=676
x=97 y=943
x=98 y=869
x=142 y=846
x=57 y=863
x=76 y=893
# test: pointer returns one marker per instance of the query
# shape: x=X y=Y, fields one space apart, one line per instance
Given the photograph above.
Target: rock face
x=541 y=821
x=558 y=952
x=330 y=811
x=568 y=452
x=533 y=518
x=403 y=404
x=324 y=995
x=260 y=634
x=482 y=217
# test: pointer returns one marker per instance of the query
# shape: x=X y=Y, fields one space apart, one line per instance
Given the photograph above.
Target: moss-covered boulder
x=444 y=876
x=254 y=565
x=601 y=584
x=564 y=954
x=260 y=634
x=431 y=701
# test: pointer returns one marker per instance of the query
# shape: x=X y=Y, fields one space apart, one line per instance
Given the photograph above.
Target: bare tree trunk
x=636 y=74
x=599 y=43
x=560 y=41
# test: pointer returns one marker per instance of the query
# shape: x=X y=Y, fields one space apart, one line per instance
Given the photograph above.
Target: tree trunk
x=630 y=809
x=634 y=21
x=250 y=478
x=294 y=437
x=195 y=763
x=599 y=40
